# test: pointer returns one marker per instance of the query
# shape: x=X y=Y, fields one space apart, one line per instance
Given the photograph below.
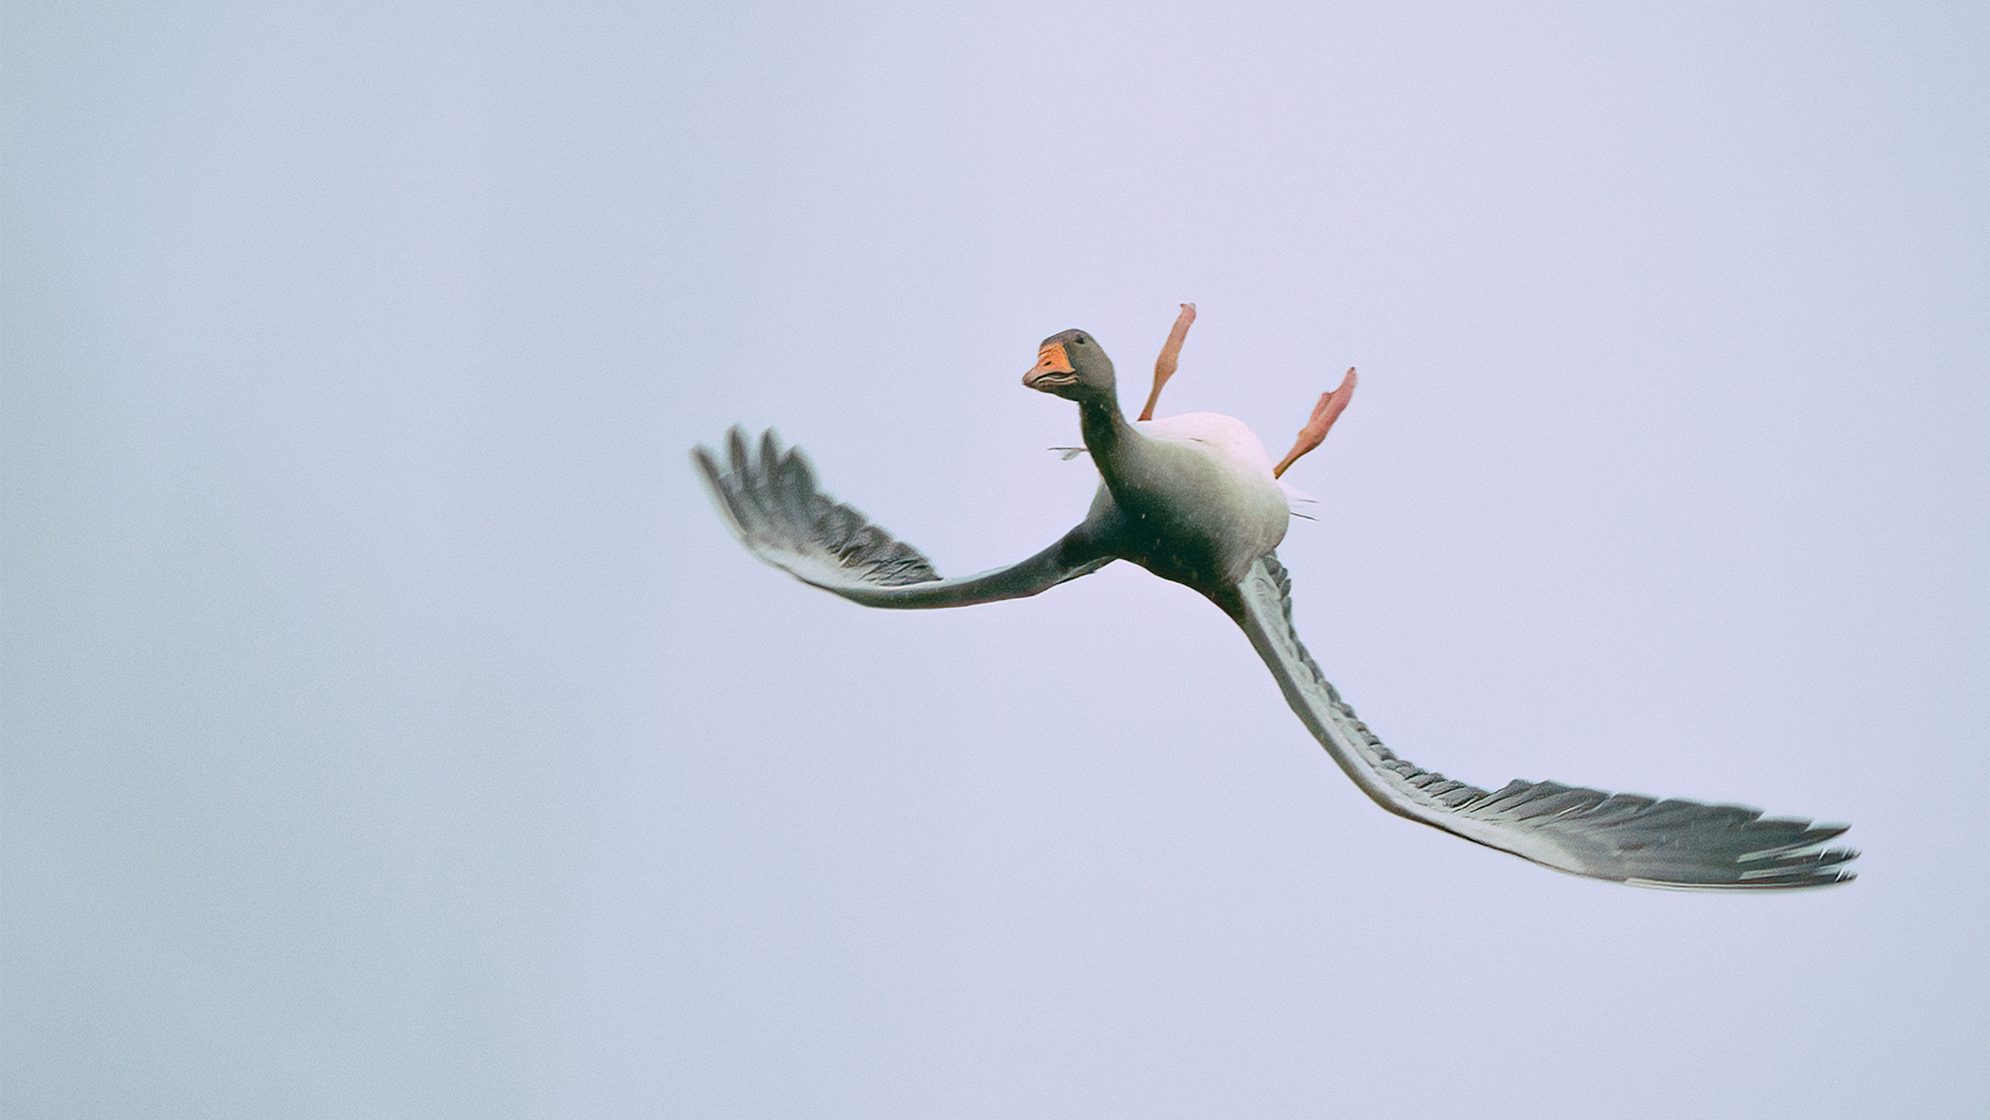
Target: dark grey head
x=1071 y=365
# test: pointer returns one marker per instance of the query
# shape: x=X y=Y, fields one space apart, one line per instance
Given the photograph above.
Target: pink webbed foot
x=1324 y=414
x=1164 y=366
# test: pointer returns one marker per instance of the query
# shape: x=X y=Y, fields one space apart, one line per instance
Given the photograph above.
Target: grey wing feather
x=1622 y=837
x=769 y=497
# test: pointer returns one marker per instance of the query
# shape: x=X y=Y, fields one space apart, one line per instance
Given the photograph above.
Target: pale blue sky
x=391 y=729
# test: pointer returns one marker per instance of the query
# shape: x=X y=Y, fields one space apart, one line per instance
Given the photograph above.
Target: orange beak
x=1050 y=361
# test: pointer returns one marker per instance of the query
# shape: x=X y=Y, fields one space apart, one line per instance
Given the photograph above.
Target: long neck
x=1111 y=440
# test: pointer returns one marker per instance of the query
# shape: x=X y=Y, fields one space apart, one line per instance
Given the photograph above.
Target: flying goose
x=1195 y=499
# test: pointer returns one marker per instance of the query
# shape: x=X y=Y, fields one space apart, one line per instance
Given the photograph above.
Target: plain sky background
x=391 y=729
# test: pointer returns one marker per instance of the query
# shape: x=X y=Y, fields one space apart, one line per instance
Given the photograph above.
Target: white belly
x=1226 y=437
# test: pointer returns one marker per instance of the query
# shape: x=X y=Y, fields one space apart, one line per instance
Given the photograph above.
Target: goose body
x=1190 y=498
x=1195 y=499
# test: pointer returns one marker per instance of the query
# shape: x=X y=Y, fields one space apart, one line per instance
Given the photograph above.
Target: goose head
x=1072 y=366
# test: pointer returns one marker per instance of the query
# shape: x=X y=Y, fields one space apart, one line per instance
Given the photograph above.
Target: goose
x=1196 y=499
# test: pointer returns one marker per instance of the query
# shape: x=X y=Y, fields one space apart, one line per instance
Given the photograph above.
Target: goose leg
x=1164 y=366
x=1324 y=414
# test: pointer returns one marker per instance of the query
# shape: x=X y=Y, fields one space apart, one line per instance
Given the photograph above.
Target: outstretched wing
x=1617 y=836
x=769 y=497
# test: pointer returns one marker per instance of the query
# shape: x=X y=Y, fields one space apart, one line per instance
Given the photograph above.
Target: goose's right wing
x=1618 y=836
x=770 y=499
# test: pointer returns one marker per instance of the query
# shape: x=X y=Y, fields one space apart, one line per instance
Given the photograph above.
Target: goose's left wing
x=1622 y=837
x=769 y=496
